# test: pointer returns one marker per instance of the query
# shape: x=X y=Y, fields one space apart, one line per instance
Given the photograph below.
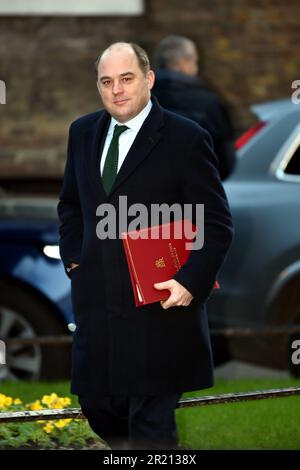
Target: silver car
x=260 y=281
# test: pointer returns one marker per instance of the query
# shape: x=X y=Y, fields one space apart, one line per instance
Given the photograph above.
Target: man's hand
x=180 y=296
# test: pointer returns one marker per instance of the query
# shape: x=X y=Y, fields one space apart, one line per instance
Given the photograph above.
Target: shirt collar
x=135 y=123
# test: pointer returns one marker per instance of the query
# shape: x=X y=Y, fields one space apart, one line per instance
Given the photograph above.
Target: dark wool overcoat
x=117 y=347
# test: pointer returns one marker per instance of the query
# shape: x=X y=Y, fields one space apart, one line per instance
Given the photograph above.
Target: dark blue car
x=34 y=289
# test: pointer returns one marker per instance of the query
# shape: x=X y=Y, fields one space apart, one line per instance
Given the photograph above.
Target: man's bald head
x=140 y=54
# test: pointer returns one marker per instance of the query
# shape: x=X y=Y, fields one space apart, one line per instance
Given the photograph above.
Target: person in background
x=178 y=89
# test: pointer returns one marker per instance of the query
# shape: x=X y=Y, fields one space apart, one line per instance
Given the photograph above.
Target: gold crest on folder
x=160 y=263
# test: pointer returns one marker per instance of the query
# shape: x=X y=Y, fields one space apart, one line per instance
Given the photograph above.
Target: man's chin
x=121 y=115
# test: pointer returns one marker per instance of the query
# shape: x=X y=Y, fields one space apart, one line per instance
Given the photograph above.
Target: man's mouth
x=121 y=101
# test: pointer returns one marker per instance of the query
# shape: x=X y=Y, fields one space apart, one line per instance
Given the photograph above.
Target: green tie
x=110 y=169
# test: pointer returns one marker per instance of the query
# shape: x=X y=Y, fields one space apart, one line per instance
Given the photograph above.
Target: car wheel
x=22 y=315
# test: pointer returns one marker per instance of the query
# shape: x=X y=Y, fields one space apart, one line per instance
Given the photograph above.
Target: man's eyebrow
x=125 y=74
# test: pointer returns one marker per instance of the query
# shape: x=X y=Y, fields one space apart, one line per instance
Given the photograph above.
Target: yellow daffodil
x=61 y=423
x=48 y=399
x=17 y=401
x=66 y=401
x=49 y=427
x=57 y=404
x=8 y=401
x=35 y=406
x=5 y=401
x=2 y=400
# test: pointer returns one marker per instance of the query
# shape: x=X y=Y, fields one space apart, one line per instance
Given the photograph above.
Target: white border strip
x=71 y=7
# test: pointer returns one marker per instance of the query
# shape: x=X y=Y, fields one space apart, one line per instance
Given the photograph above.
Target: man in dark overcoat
x=131 y=364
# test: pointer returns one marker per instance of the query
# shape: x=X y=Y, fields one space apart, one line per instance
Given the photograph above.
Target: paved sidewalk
x=243 y=370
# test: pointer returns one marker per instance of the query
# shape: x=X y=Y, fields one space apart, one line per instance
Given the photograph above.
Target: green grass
x=263 y=424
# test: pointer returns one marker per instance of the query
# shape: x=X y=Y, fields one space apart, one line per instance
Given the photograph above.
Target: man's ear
x=151 y=79
x=98 y=87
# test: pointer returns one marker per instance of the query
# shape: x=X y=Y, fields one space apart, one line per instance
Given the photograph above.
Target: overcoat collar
x=145 y=141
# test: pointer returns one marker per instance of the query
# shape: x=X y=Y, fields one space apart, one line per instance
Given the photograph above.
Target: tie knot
x=118 y=130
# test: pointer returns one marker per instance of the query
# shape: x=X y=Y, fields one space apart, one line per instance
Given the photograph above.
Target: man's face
x=123 y=87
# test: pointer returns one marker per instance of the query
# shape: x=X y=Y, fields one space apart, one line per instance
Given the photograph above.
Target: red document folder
x=153 y=258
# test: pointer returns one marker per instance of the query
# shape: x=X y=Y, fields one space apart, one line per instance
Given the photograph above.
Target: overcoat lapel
x=94 y=139
x=146 y=139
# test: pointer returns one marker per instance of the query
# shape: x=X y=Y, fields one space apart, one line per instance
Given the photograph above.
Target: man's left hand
x=180 y=296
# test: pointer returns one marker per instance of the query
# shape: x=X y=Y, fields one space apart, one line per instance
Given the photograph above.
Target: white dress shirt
x=126 y=139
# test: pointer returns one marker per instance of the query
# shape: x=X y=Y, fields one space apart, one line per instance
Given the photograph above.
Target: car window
x=293 y=166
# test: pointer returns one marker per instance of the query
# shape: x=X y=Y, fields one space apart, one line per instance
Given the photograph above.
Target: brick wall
x=249 y=53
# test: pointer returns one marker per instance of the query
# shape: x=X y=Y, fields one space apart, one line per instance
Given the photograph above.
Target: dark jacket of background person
x=118 y=348
x=186 y=95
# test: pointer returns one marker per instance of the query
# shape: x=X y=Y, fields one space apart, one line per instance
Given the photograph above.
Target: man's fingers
x=165 y=304
x=163 y=285
x=170 y=302
x=180 y=296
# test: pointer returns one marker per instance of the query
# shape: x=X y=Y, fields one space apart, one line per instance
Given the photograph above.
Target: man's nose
x=117 y=87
